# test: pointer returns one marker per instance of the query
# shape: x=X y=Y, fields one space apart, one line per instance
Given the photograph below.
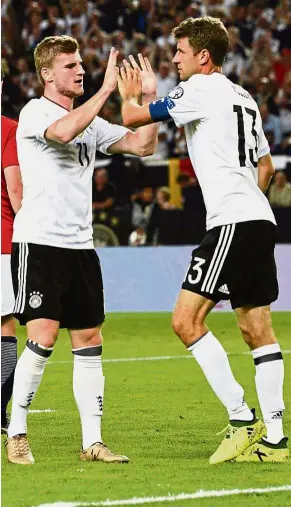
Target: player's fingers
x=127 y=68
x=114 y=57
x=111 y=56
x=122 y=73
x=141 y=61
x=148 y=64
x=133 y=62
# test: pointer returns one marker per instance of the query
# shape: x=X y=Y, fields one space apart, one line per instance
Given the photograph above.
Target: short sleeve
x=107 y=134
x=186 y=102
x=263 y=145
x=9 y=155
x=34 y=120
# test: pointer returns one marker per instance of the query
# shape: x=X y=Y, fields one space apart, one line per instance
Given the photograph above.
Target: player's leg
x=189 y=324
x=8 y=364
x=83 y=315
x=8 y=338
x=255 y=324
x=88 y=386
x=33 y=271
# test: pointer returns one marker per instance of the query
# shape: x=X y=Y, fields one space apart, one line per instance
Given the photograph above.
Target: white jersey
x=57 y=178
x=225 y=138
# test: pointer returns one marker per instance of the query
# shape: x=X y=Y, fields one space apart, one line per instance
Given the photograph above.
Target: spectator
x=271 y=123
x=162 y=203
x=104 y=192
x=280 y=191
x=142 y=205
x=166 y=79
x=284 y=102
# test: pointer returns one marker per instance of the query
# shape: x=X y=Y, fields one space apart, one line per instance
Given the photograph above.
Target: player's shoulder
x=31 y=106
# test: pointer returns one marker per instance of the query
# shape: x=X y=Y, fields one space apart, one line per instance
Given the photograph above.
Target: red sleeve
x=9 y=155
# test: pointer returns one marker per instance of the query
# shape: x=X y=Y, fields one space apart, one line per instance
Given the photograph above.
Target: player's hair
x=49 y=48
x=205 y=33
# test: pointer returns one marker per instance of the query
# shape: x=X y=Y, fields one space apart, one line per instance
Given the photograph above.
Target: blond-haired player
x=56 y=271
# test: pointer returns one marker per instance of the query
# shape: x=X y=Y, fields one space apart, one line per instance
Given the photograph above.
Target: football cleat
x=100 y=452
x=240 y=435
x=18 y=450
x=263 y=451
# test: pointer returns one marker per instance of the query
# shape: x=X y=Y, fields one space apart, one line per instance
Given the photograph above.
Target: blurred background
x=157 y=200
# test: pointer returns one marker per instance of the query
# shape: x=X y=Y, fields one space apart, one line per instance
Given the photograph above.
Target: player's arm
x=265 y=172
x=14 y=186
x=72 y=124
x=11 y=171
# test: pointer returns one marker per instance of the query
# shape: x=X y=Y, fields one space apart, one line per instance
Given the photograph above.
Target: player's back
x=225 y=141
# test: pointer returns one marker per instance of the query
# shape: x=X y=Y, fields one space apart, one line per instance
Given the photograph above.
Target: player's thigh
x=256 y=325
x=83 y=304
x=7 y=293
x=251 y=269
x=189 y=315
x=41 y=274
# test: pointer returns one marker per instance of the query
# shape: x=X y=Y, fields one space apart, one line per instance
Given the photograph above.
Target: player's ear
x=46 y=74
x=204 y=56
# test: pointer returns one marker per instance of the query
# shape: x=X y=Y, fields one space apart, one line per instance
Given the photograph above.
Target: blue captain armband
x=159 y=110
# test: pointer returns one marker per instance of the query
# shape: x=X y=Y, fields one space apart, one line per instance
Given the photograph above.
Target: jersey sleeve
x=34 y=120
x=184 y=103
x=263 y=145
x=9 y=156
x=107 y=134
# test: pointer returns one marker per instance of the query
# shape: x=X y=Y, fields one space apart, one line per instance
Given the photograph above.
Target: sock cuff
x=267 y=353
x=40 y=350
x=193 y=345
x=8 y=339
x=95 y=350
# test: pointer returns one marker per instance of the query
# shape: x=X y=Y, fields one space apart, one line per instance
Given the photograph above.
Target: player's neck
x=210 y=69
x=65 y=102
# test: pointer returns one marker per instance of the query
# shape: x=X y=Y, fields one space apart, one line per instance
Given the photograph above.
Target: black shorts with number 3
x=236 y=262
x=55 y=283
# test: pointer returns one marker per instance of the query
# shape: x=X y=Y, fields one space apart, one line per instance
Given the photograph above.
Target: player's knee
x=178 y=325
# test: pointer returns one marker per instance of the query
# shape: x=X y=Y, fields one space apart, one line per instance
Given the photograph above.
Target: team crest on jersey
x=35 y=299
x=176 y=93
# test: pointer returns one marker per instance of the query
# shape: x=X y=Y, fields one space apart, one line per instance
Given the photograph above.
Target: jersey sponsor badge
x=176 y=93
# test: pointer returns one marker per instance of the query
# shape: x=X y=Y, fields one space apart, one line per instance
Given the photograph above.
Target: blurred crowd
x=259 y=59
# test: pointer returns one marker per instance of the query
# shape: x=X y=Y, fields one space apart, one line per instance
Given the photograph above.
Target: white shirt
x=57 y=178
x=215 y=112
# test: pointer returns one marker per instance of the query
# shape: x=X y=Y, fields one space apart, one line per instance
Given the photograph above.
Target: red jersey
x=8 y=158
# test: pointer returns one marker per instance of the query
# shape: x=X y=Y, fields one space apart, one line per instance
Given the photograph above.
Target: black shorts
x=57 y=283
x=236 y=262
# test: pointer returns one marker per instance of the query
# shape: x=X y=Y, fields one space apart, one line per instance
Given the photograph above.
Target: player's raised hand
x=148 y=77
x=129 y=82
x=111 y=74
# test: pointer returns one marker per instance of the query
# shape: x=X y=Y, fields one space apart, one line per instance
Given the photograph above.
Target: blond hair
x=205 y=33
x=51 y=47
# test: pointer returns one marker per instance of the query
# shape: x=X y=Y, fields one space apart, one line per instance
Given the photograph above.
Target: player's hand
x=111 y=74
x=148 y=77
x=129 y=82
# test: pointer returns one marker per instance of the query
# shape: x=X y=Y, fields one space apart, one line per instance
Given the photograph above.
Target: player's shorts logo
x=176 y=93
x=35 y=299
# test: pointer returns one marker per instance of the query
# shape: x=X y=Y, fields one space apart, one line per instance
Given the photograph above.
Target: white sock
x=269 y=383
x=27 y=378
x=212 y=358
x=88 y=386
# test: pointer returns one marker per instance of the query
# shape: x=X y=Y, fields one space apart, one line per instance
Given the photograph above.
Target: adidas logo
x=277 y=415
x=100 y=402
x=224 y=289
x=29 y=399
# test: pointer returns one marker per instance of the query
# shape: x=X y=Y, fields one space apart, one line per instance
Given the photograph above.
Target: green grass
x=162 y=414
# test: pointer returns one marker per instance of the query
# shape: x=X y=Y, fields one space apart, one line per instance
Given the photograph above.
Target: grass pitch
x=161 y=413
